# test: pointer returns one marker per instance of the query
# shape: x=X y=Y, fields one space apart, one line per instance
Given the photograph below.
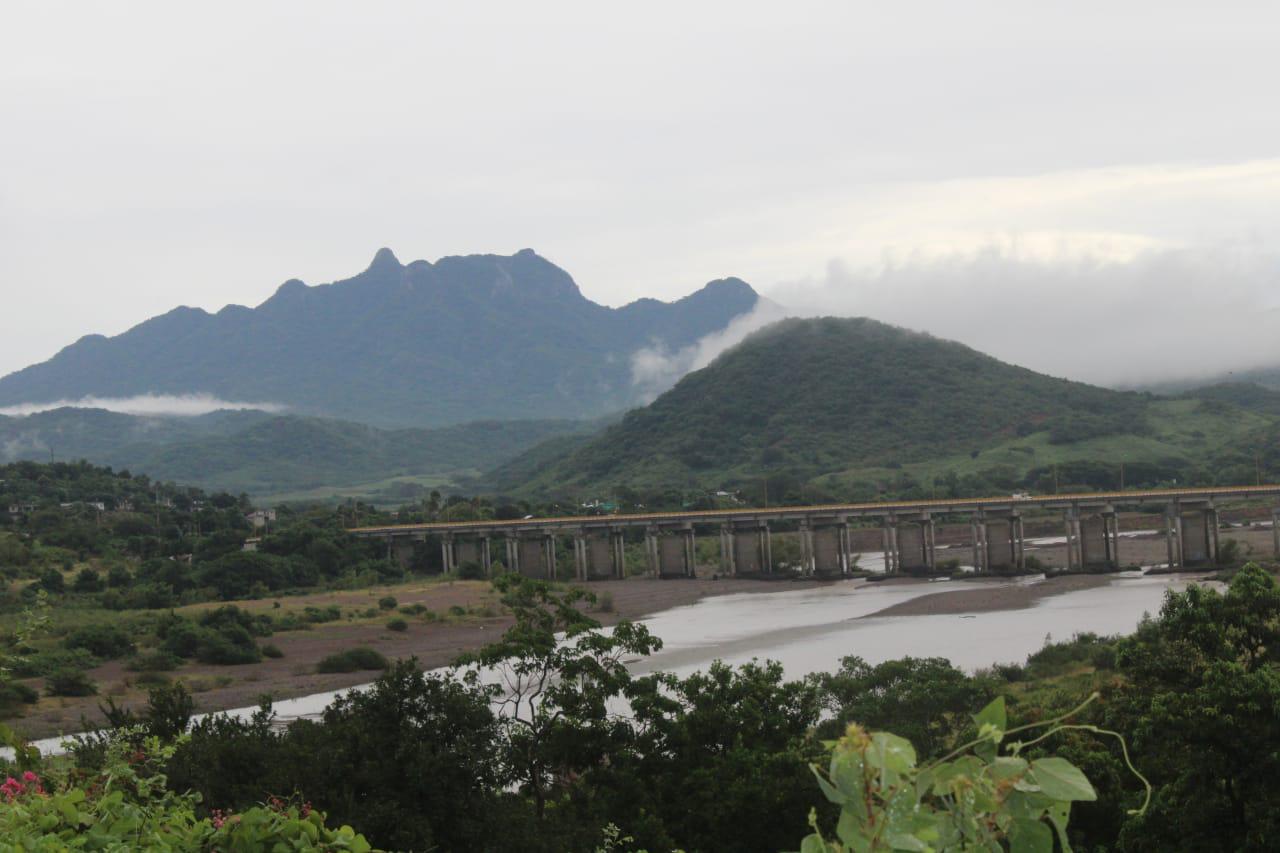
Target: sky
x=1073 y=187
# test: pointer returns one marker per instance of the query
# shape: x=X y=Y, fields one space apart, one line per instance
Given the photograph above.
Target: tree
x=557 y=674
x=925 y=700
x=1202 y=700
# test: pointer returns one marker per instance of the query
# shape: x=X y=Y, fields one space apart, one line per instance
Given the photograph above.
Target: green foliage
x=69 y=682
x=103 y=641
x=353 y=660
x=809 y=397
x=387 y=602
x=126 y=805
x=271 y=650
x=924 y=699
x=397 y=625
x=978 y=796
x=157 y=661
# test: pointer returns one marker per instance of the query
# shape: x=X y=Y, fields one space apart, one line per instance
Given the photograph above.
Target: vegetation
x=811 y=410
x=353 y=660
x=725 y=759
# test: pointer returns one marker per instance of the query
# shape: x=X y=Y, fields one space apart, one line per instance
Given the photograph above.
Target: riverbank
x=986 y=595
x=467 y=616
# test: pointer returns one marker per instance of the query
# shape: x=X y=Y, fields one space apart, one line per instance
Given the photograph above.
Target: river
x=811 y=629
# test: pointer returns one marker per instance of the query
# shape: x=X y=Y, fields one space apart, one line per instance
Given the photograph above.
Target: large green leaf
x=1030 y=836
x=1062 y=780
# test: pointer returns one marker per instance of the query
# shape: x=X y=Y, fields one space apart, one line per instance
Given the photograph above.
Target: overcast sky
x=1056 y=186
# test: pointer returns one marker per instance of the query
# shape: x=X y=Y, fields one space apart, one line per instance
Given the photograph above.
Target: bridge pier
x=401 y=551
x=976 y=530
x=598 y=555
x=890 y=546
x=805 y=533
x=533 y=556
x=1097 y=539
x=914 y=545
x=473 y=551
x=671 y=554
x=829 y=549
x=1003 y=547
x=750 y=548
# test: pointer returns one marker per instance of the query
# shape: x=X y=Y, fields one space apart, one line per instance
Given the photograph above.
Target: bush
x=271 y=650
x=230 y=645
x=157 y=661
x=353 y=660
x=397 y=625
x=69 y=682
x=87 y=580
x=14 y=694
x=104 y=641
x=387 y=602
x=605 y=603
x=229 y=614
x=43 y=663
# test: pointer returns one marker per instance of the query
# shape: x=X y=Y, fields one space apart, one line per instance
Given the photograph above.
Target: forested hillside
x=423 y=344
x=857 y=408
x=263 y=454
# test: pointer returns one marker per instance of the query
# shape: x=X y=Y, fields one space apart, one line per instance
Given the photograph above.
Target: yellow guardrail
x=870 y=508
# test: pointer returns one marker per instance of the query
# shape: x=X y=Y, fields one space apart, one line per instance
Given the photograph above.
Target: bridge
x=1090 y=522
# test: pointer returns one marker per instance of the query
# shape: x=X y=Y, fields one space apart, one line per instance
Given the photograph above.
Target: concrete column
x=727 y=563
x=619 y=553
x=846 y=548
x=977 y=544
x=1179 y=539
x=768 y=549
x=1068 y=523
x=486 y=557
x=513 y=555
x=651 y=550
x=888 y=548
x=1019 y=542
x=805 y=533
x=929 y=533
x=1113 y=541
x=1168 y=536
x=690 y=552
x=580 y=556
x=446 y=554
x=1211 y=525
x=549 y=546
x=1275 y=531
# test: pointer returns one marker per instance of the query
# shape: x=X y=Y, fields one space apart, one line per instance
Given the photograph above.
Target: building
x=261 y=517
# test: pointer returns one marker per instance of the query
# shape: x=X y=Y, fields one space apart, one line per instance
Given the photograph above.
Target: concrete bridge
x=907 y=529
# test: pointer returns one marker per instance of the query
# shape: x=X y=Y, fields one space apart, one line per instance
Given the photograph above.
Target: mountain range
x=424 y=344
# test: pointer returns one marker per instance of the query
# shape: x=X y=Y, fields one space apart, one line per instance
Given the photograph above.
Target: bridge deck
x=822 y=511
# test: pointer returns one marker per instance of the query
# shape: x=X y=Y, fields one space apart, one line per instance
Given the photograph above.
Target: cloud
x=177 y=405
x=1160 y=314
x=656 y=368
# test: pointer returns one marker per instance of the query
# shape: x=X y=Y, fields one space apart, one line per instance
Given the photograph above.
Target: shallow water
x=810 y=630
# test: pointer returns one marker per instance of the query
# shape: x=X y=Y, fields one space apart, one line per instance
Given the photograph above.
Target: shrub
x=387 y=602
x=69 y=682
x=87 y=580
x=271 y=650
x=605 y=603
x=105 y=641
x=180 y=637
x=397 y=625
x=230 y=645
x=414 y=609
x=52 y=581
x=457 y=610
x=229 y=614
x=43 y=663
x=14 y=694
x=332 y=613
x=157 y=661
x=353 y=660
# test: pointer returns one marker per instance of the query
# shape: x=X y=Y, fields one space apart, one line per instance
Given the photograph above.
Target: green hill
x=854 y=407
x=267 y=455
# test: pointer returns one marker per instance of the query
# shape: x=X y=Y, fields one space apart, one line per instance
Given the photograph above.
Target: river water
x=811 y=629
